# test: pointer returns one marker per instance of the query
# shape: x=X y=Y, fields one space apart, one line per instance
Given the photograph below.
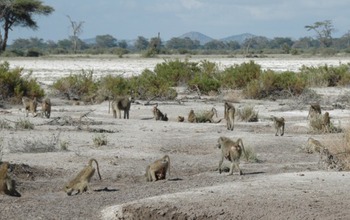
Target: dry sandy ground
x=286 y=184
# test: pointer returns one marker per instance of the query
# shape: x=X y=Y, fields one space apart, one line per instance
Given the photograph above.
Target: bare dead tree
x=77 y=29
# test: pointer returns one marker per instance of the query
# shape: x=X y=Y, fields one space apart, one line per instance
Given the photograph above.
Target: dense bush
x=327 y=75
x=112 y=86
x=207 y=78
x=273 y=83
x=13 y=85
x=81 y=86
x=240 y=75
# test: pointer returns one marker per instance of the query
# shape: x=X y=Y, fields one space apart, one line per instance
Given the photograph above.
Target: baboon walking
x=121 y=103
x=30 y=105
x=232 y=151
x=229 y=115
x=46 y=107
x=81 y=181
x=279 y=125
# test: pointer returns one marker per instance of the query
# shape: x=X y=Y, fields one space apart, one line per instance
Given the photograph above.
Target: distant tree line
x=107 y=44
x=14 y=13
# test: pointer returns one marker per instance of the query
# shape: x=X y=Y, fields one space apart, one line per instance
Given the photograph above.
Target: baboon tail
x=98 y=169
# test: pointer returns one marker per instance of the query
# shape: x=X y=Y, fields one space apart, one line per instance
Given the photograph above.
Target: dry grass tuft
x=247 y=114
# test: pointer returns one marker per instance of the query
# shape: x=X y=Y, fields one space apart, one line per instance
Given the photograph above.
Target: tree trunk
x=6 y=34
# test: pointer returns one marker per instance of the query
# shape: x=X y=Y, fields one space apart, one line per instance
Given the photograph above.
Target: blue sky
x=127 y=19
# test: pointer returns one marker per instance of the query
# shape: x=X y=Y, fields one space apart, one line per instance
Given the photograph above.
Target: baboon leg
x=153 y=176
x=220 y=163
x=114 y=113
x=239 y=169
x=282 y=133
x=231 y=168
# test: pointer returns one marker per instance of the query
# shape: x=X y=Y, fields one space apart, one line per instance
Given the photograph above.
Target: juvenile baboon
x=157 y=170
x=232 y=151
x=121 y=103
x=81 y=181
x=7 y=185
x=314 y=109
x=229 y=115
x=180 y=118
x=192 y=117
x=313 y=145
x=46 y=107
x=326 y=122
x=279 y=125
x=158 y=115
x=30 y=105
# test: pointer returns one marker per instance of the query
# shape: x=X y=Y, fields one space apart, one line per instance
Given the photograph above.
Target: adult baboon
x=229 y=115
x=192 y=117
x=7 y=185
x=180 y=118
x=326 y=122
x=279 y=125
x=232 y=151
x=157 y=170
x=315 y=109
x=30 y=105
x=46 y=107
x=158 y=115
x=121 y=103
x=81 y=181
x=208 y=116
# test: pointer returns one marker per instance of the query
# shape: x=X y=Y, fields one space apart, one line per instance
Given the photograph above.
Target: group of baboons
x=230 y=149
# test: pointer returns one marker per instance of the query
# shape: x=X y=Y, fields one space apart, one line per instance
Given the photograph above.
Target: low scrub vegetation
x=14 y=85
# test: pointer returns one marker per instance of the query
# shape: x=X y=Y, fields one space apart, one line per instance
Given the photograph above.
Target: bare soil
x=285 y=183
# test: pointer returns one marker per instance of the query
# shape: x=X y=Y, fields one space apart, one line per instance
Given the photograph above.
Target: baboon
x=314 y=109
x=81 y=181
x=313 y=145
x=7 y=185
x=30 y=105
x=192 y=117
x=208 y=116
x=121 y=103
x=326 y=122
x=229 y=115
x=158 y=115
x=46 y=107
x=180 y=118
x=157 y=170
x=232 y=151
x=279 y=125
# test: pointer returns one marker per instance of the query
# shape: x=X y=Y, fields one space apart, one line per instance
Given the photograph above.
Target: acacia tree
x=323 y=30
x=19 y=13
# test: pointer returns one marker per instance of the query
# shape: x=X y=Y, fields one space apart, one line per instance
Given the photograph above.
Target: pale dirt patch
x=287 y=183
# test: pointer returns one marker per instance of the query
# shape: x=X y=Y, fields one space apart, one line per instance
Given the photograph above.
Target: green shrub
x=238 y=76
x=274 y=83
x=327 y=75
x=207 y=78
x=81 y=85
x=112 y=86
x=13 y=86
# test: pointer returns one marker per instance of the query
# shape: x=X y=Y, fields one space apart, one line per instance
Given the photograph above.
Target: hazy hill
x=240 y=38
x=202 y=38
